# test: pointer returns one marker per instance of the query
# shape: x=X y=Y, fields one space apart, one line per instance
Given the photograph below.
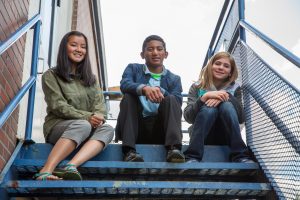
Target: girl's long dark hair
x=63 y=67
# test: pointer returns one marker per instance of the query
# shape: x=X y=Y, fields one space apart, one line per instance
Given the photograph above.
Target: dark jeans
x=164 y=128
x=208 y=117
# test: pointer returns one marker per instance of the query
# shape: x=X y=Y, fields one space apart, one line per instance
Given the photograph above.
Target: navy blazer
x=134 y=75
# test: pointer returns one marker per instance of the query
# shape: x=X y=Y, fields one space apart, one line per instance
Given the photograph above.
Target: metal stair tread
x=150 y=168
x=136 y=165
x=113 y=152
x=111 y=188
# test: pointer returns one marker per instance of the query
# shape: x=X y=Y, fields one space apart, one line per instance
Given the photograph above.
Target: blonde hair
x=206 y=77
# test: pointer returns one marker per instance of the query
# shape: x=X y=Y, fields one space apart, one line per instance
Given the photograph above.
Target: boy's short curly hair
x=153 y=37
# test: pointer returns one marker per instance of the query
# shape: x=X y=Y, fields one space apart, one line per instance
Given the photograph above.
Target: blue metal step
x=215 y=163
x=113 y=152
x=136 y=189
x=107 y=176
x=163 y=169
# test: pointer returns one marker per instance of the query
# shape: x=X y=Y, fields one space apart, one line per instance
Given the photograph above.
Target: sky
x=187 y=27
x=279 y=20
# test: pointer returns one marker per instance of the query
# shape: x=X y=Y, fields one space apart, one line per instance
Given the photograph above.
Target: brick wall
x=13 y=13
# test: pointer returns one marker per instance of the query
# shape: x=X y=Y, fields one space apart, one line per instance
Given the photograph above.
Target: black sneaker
x=175 y=156
x=133 y=156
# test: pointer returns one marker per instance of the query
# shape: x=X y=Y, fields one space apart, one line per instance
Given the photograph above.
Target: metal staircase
x=107 y=176
x=273 y=132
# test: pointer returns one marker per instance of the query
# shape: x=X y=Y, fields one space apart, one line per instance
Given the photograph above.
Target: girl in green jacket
x=75 y=110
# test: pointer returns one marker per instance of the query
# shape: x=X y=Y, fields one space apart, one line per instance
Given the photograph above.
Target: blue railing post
x=242 y=17
x=210 y=53
x=33 y=73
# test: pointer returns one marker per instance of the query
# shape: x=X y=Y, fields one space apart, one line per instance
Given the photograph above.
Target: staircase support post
x=242 y=17
x=33 y=73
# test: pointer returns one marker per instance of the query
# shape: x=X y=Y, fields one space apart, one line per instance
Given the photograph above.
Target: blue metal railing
x=279 y=123
x=211 y=47
x=277 y=47
x=272 y=121
x=33 y=73
x=242 y=26
x=271 y=102
x=31 y=82
x=242 y=17
x=228 y=8
x=119 y=93
x=18 y=33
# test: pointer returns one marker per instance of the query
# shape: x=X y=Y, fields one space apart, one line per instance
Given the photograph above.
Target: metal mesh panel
x=227 y=33
x=272 y=110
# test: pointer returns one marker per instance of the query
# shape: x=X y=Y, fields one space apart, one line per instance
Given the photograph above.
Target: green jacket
x=69 y=100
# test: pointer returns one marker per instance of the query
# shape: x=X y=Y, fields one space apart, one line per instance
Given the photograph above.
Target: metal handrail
x=244 y=25
x=216 y=31
x=274 y=71
x=30 y=83
x=274 y=45
x=4 y=115
x=19 y=33
x=33 y=73
x=107 y=93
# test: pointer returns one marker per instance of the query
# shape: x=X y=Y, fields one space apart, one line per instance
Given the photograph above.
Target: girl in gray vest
x=214 y=104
